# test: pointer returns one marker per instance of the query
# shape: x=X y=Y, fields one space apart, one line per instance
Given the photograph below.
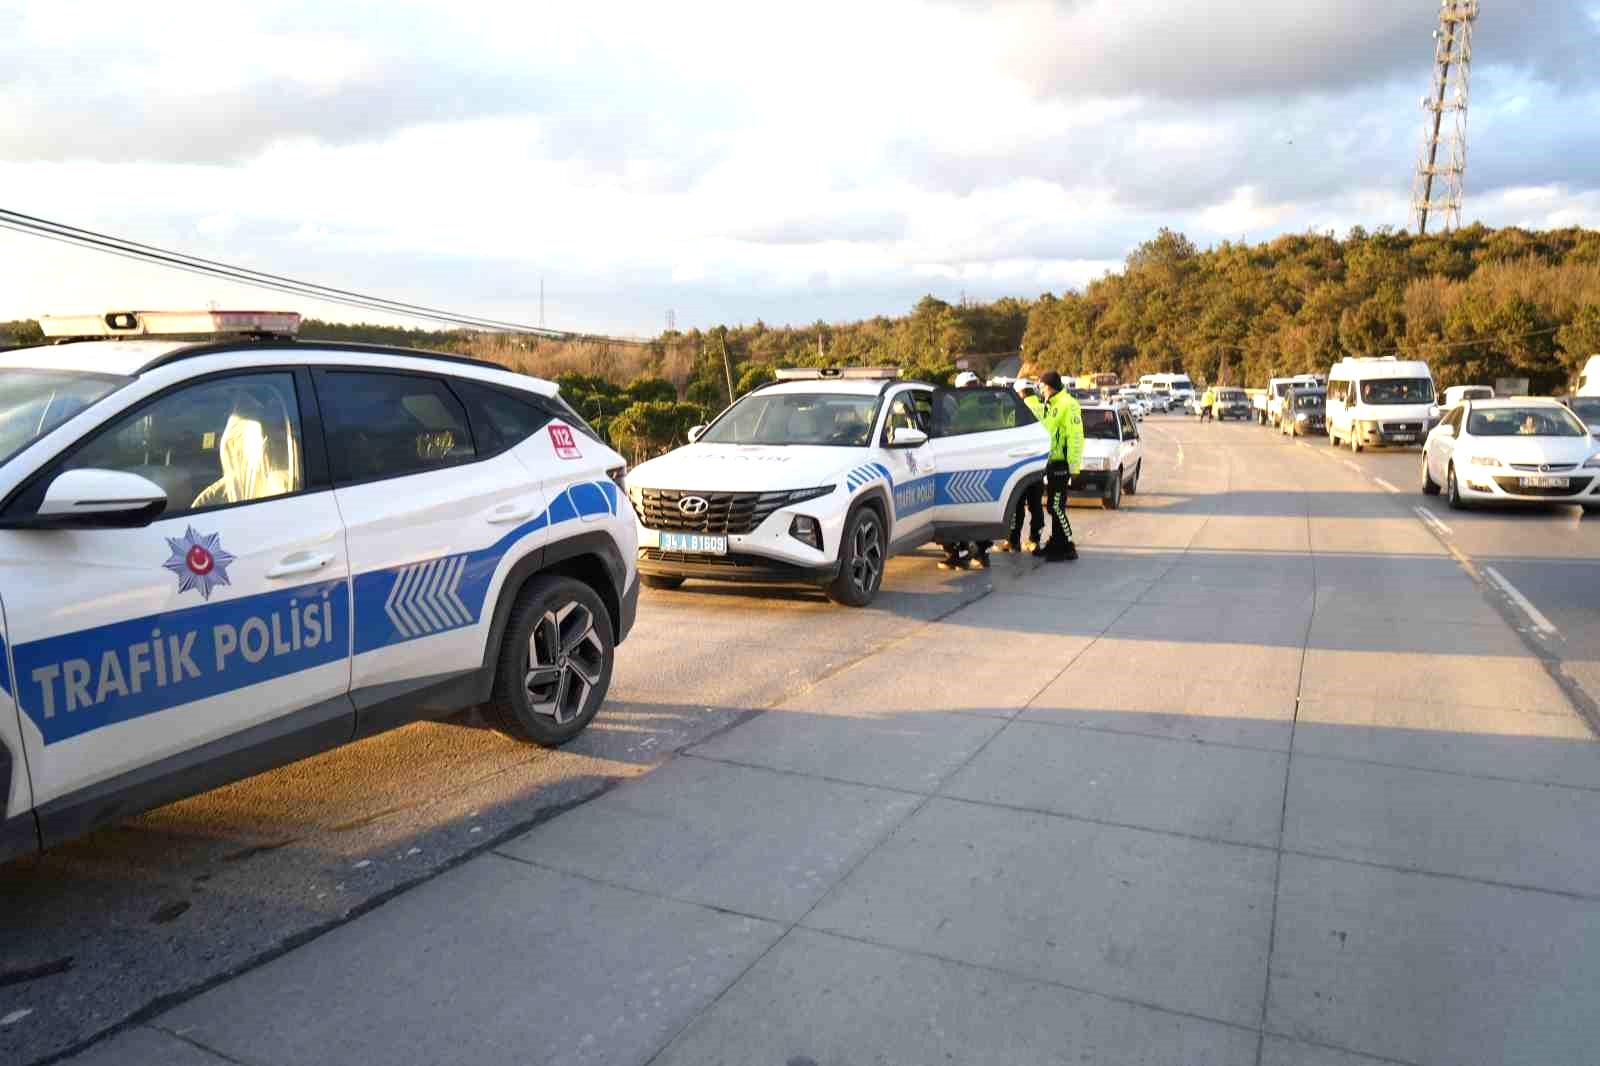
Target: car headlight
x=1300 y=416
x=1593 y=462
x=802 y=495
x=1485 y=460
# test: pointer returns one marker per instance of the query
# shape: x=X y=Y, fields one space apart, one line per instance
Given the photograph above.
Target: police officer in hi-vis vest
x=1063 y=418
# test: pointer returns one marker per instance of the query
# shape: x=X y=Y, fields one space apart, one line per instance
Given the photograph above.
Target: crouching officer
x=1064 y=420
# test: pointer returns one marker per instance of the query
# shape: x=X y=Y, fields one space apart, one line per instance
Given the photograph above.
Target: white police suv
x=822 y=475
x=221 y=556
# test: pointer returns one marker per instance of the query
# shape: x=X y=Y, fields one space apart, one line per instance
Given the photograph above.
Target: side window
x=962 y=411
x=211 y=444
x=500 y=420
x=388 y=425
x=903 y=414
x=1130 y=431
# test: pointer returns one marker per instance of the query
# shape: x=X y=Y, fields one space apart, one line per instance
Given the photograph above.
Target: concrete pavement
x=1263 y=778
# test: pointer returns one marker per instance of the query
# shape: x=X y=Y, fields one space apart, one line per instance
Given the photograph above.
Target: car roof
x=1514 y=401
x=838 y=386
x=129 y=358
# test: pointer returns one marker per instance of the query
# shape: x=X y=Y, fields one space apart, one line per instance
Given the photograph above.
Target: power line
x=33 y=226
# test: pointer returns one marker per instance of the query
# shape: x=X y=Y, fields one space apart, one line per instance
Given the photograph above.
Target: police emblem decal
x=199 y=561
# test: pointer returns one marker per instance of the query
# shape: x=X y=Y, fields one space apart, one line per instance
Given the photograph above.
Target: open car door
x=988 y=447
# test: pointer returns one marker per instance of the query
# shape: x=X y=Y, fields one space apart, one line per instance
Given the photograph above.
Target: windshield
x=1588 y=410
x=1100 y=425
x=1525 y=422
x=833 y=419
x=1230 y=395
x=1309 y=401
x=33 y=402
x=1397 y=391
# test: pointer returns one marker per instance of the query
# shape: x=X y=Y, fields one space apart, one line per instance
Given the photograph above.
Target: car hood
x=1533 y=450
x=747 y=468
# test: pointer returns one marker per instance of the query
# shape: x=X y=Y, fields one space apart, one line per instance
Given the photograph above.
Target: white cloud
x=736 y=160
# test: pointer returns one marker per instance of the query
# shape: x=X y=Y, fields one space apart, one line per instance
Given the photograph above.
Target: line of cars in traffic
x=1476 y=447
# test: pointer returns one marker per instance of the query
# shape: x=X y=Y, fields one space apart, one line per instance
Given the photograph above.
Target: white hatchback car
x=1112 y=455
x=219 y=557
x=821 y=476
x=1512 y=450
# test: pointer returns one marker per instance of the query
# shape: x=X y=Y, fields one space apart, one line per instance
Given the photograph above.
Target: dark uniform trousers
x=1056 y=477
x=1032 y=504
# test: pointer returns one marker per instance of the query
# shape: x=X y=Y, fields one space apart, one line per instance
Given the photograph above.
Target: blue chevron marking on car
x=979 y=486
x=432 y=596
x=863 y=475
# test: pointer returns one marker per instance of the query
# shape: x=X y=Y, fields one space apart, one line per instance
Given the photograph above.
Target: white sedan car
x=1512 y=450
x=1112 y=455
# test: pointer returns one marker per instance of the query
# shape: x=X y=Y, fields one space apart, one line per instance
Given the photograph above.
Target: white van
x=1177 y=386
x=1456 y=393
x=1589 y=379
x=1380 y=400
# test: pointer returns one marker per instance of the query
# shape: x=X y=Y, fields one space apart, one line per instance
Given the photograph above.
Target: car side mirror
x=695 y=432
x=98 y=499
x=907 y=437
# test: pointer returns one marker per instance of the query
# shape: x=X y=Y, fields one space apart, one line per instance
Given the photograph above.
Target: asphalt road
x=143 y=915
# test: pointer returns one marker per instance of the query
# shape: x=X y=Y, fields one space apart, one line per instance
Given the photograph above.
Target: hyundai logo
x=694 y=506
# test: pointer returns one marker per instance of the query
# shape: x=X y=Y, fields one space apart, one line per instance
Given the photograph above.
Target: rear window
x=1100 y=424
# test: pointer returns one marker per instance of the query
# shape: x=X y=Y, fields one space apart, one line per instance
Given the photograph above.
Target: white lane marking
x=1429 y=517
x=1386 y=485
x=1540 y=622
x=1354 y=466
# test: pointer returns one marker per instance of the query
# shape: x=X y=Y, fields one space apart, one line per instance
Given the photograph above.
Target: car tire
x=1355 y=443
x=555 y=662
x=1452 y=490
x=660 y=581
x=1133 y=486
x=1113 y=499
x=862 y=554
x=1430 y=487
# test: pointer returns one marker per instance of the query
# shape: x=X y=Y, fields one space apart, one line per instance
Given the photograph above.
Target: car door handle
x=511 y=512
x=300 y=563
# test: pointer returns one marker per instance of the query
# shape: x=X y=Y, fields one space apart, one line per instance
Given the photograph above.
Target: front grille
x=730 y=562
x=1402 y=427
x=1514 y=485
x=734 y=513
x=1548 y=468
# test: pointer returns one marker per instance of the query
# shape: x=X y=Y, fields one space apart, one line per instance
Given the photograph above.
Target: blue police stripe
x=84 y=670
x=445 y=593
x=979 y=486
x=114 y=675
x=5 y=669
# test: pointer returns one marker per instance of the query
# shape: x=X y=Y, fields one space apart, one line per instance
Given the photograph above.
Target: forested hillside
x=1477 y=304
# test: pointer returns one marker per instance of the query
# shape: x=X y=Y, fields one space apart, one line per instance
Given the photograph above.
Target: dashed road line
x=1536 y=616
x=1432 y=521
x=1386 y=485
x=1353 y=465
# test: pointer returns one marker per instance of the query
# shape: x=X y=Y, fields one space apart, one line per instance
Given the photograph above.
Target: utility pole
x=727 y=366
x=1452 y=66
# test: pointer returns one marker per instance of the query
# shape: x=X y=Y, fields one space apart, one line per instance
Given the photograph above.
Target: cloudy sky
x=744 y=160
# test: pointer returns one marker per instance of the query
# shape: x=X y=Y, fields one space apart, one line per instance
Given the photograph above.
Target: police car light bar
x=851 y=373
x=171 y=324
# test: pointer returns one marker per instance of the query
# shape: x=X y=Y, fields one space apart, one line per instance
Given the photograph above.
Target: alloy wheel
x=866 y=554
x=566 y=660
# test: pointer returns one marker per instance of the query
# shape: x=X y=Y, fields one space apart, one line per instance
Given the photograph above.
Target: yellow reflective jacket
x=1064 y=419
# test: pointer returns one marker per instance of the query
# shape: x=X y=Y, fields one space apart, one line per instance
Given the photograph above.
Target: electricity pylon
x=1452 y=65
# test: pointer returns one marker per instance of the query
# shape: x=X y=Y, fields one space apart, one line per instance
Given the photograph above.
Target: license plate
x=1546 y=483
x=1404 y=436
x=703 y=543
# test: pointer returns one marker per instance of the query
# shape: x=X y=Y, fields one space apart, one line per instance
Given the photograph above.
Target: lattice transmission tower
x=1442 y=167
